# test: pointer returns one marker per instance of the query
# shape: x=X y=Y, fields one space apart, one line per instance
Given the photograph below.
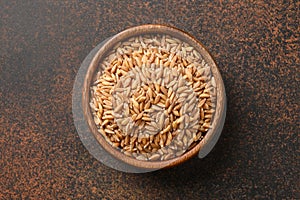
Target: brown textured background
x=255 y=44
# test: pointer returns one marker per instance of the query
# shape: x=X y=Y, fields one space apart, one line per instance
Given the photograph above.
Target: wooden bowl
x=211 y=137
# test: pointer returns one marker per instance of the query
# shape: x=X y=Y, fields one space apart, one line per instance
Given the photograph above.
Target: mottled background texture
x=254 y=43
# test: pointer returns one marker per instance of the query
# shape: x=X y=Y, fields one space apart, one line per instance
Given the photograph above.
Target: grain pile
x=153 y=98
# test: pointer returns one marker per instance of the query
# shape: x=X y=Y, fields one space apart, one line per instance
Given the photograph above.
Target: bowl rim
x=93 y=68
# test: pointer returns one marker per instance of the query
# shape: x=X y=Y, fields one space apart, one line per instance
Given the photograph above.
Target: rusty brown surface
x=255 y=45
